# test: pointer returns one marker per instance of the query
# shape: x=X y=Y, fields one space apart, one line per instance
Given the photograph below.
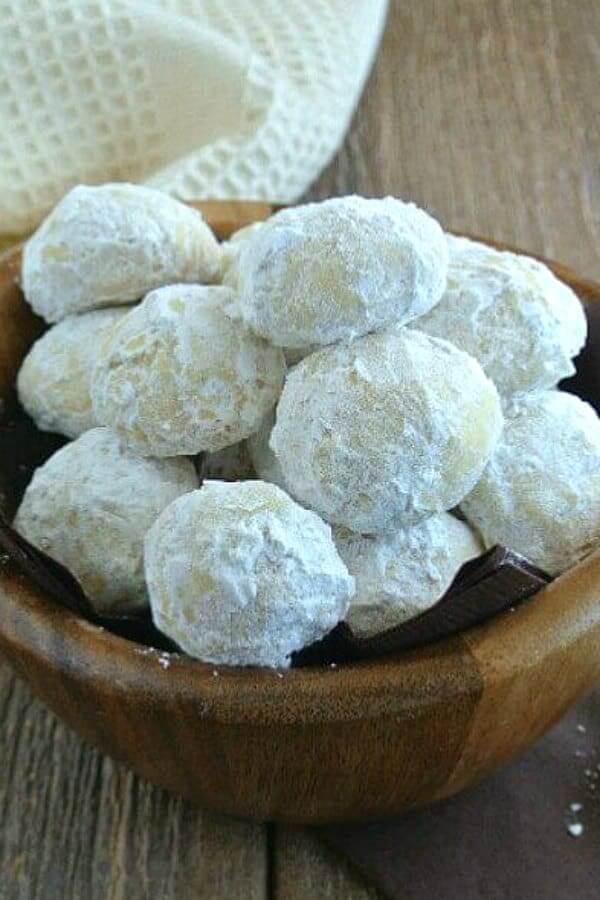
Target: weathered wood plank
x=75 y=824
x=488 y=113
x=306 y=868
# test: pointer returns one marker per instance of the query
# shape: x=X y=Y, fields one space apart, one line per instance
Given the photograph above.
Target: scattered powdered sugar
x=89 y=507
x=573 y=823
x=403 y=572
x=331 y=271
x=540 y=493
x=178 y=376
x=386 y=430
x=512 y=314
x=239 y=574
x=162 y=657
x=55 y=376
x=107 y=245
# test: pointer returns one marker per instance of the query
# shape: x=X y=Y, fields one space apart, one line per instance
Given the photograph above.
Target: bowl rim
x=34 y=623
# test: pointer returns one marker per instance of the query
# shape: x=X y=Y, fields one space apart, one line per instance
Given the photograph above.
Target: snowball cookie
x=402 y=573
x=89 y=507
x=54 y=380
x=178 y=376
x=385 y=431
x=512 y=314
x=330 y=271
x=540 y=493
x=112 y=244
x=266 y=465
x=239 y=574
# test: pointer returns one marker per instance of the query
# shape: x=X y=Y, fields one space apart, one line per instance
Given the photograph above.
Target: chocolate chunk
x=55 y=580
x=47 y=573
x=492 y=583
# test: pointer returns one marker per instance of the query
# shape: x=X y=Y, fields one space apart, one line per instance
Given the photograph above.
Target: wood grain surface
x=486 y=112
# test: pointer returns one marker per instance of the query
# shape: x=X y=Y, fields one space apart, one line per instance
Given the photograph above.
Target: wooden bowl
x=309 y=745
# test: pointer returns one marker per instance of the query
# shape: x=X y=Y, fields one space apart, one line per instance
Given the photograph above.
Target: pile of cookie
x=394 y=387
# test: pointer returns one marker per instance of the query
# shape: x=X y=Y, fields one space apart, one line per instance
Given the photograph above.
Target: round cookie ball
x=385 y=431
x=239 y=574
x=403 y=572
x=331 y=271
x=105 y=245
x=266 y=465
x=540 y=493
x=90 y=506
x=178 y=375
x=512 y=314
x=54 y=380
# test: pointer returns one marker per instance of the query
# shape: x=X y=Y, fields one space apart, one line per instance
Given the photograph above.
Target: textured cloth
x=530 y=832
x=201 y=98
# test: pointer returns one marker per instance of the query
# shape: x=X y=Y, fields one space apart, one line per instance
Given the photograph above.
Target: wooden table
x=487 y=113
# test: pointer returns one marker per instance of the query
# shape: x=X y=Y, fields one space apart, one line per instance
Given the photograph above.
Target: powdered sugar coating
x=385 y=431
x=89 y=507
x=230 y=251
x=54 y=380
x=239 y=574
x=403 y=572
x=178 y=375
x=512 y=314
x=111 y=244
x=266 y=465
x=540 y=493
x=331 y=271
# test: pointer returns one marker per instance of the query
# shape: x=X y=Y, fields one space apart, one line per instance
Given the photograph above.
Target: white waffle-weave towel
x=202 y=98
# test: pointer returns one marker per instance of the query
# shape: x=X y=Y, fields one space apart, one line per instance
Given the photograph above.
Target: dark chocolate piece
x=46 y=572
x=492 y=583
x=53 y=578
